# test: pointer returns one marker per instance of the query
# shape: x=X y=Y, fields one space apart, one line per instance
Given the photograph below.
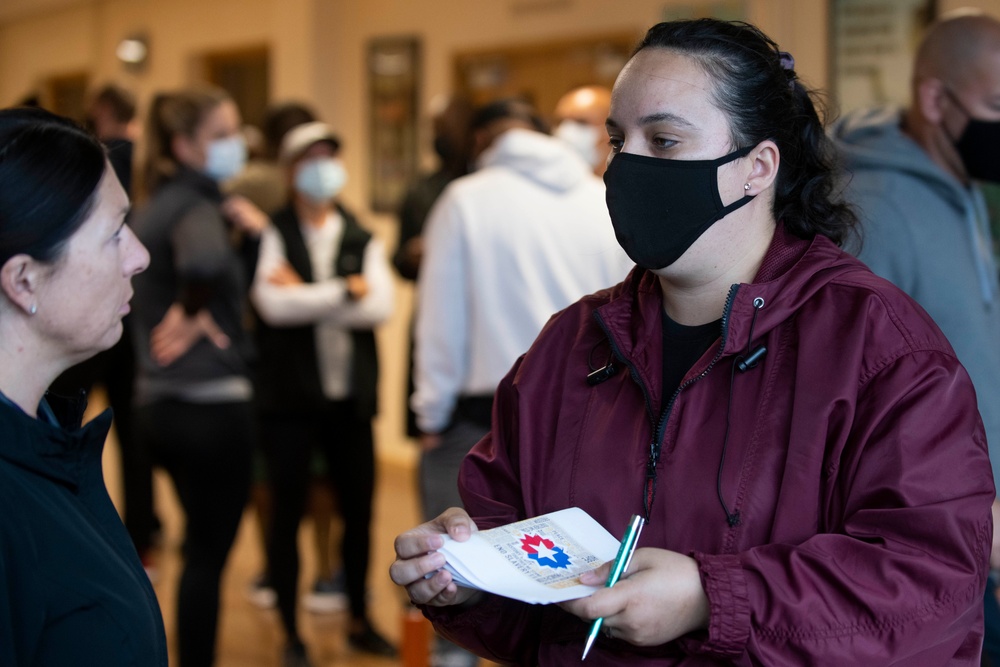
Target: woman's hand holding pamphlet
x=537 y=560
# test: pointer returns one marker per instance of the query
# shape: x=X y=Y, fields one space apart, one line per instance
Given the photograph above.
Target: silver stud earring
x=746 y=186
x=33 y=309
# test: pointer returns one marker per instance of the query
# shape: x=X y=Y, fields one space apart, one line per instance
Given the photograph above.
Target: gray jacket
x=929 y=234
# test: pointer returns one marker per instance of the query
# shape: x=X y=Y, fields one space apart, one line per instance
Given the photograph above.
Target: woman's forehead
x=660 y=80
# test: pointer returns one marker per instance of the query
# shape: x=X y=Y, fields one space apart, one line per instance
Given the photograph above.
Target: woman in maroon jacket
x=799 y=435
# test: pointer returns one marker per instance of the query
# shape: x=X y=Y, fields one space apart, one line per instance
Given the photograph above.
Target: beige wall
x=317 y=53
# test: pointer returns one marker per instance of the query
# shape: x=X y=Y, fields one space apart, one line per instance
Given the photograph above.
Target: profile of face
x=216 y=147
x=83 y=295
x=662 y=107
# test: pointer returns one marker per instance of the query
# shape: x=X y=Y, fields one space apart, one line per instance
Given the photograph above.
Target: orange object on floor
x=415 y=647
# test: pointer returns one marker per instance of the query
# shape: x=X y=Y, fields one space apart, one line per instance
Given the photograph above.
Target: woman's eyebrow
x=661 y=117
x=665 y=116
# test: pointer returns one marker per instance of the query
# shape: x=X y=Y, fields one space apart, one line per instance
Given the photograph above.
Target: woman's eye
x=663 y=142
x=615 y=143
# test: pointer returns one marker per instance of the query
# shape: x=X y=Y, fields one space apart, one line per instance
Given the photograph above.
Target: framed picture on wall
x=872 y=47
x=394 y=77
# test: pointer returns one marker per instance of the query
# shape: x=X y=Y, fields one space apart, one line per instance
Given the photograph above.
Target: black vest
x=288 y=369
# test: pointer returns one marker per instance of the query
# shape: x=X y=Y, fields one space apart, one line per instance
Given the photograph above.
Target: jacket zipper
x=659 y=426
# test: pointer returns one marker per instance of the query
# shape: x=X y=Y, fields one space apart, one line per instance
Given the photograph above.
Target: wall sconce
x=133 y=52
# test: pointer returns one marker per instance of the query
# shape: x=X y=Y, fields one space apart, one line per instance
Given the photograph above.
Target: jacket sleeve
x=324 y=301
x=499 y=629
x=202 y=254
x=897 y=575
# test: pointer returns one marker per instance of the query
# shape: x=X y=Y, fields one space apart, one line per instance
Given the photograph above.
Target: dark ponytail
x=758 y=90
x=49 y=172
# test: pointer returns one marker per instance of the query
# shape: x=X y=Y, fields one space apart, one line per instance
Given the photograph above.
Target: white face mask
x=583 y=138
x=225 y=158
x=320 y=179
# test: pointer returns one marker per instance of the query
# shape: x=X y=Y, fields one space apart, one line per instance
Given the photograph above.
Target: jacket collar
x=59 y=452
x=792 y=271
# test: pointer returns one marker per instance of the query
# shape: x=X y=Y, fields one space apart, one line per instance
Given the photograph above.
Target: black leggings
x=206 y=450
x=346 y=443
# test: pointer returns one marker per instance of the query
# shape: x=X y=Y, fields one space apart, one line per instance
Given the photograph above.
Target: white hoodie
x=505 y=248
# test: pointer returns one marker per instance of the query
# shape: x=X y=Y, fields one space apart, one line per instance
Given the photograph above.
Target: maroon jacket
x=856 y=483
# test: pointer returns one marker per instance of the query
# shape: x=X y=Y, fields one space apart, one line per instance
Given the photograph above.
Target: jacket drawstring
x=742 y=363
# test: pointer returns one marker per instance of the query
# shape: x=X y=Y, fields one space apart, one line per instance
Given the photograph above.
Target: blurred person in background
x=72 y=588
x=452 y=144
x=580 y=116
x=193 y=390
x=322 y=285
x=264 y=182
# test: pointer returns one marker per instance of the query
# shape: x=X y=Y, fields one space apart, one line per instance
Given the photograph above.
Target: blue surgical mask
x=320 y=179
x=225 y=158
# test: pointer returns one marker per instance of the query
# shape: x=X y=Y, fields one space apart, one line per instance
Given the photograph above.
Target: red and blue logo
x=544 y=552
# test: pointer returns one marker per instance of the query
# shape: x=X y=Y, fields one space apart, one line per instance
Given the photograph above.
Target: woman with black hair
x=72 y=588
x=798 y=434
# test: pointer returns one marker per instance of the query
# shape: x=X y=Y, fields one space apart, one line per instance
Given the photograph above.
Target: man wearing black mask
x=913 y=178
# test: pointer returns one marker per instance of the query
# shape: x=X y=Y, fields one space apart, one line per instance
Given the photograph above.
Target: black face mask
x=660 y=207
x=979 y=146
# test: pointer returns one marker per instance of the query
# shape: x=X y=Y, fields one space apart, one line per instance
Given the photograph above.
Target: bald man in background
x=912 y=174
x=580 y=116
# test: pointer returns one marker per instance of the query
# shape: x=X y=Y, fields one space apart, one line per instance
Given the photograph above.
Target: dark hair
x=281 y=118
x=511 y=107
x=170 y=115
x=50 y=169
x=757 y=88
x=120 y=101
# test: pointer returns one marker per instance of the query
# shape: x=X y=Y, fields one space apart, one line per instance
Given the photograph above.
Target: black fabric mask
x=979 y=146
x=660 y=207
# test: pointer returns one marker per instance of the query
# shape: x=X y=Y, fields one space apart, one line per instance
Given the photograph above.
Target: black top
x=682 y=347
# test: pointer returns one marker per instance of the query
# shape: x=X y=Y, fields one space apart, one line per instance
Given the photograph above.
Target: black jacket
x=72 y=589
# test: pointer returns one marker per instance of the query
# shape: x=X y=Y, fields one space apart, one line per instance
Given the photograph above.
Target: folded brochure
x=537 y=560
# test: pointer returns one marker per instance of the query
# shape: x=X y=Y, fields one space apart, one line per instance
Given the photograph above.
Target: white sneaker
x=260 y=593
x=327 y=595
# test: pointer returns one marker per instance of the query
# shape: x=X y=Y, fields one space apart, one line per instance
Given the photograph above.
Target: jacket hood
x=872 y=139
x=545 y=160
x=793 y=270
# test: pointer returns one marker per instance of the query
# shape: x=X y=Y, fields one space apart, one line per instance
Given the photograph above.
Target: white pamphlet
x=537 y=560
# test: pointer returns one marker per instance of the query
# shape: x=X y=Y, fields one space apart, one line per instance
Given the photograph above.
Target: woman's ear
x=930 y=99
x=20 y=277
x=764 y=168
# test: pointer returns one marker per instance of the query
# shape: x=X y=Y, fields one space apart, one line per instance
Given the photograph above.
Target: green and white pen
x=624 y=557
